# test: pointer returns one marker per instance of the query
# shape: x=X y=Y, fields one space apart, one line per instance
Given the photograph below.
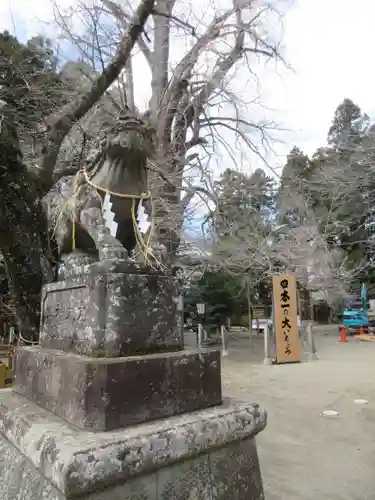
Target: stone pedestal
x=111 y=407
x=111 y=350
x=108 y=393
x=205 y=455
x=112 y=309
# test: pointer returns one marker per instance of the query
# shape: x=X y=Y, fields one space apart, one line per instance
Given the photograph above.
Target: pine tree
x=294 y=193
x=344 y=131
x=245 y=206
x=243 y=221
x=339 y=188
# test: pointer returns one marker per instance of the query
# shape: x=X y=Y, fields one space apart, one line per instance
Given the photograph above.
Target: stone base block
x=112 y=309
x=206 y=455
x=109 y=393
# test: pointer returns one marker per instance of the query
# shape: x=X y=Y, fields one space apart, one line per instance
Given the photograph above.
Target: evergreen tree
x=31 y=87
x=294 y=190
x=243 y=223
x=344 y=132
x=352 y=175
x=245 y=206
x=222 y=293
x=334 y=189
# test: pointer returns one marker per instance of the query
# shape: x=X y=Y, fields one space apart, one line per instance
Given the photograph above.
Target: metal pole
x=312 y=350
x=267 y=354
x=224 y=351
x=180 y=308
x=312 y=354
x=302 y=328
x=204 y=334
x=200 y=334
x=249 y=309
x=11 y=334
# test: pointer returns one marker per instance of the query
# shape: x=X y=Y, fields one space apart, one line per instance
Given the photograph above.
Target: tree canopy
x=317 y=220
x=31 y=84
x=335 y=190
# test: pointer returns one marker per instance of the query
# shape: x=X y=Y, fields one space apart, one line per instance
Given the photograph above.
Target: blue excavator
x=357 y=314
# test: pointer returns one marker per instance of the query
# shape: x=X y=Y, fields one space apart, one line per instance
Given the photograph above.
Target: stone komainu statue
x=117 y=163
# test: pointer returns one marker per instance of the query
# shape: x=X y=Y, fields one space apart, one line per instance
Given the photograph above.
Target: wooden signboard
x=259 y=312
x=288 y=346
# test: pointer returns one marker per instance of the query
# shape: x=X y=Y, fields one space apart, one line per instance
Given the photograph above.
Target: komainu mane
x=117 y=165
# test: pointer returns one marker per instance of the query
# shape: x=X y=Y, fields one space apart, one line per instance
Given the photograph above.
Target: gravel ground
x=303 y=454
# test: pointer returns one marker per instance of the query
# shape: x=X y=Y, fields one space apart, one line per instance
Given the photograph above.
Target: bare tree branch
x=124 y=19
x=69 y=115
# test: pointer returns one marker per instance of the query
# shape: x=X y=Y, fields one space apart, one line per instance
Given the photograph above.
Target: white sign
x=109 y=216
x=142 y=219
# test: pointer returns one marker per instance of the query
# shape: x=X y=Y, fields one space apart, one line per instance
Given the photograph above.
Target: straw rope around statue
x=82 y=180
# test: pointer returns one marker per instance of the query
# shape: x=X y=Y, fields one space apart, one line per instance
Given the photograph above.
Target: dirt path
x=306 y=456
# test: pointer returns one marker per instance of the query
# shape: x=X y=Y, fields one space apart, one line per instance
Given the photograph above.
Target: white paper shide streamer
x=142 y=219
x=109 y=216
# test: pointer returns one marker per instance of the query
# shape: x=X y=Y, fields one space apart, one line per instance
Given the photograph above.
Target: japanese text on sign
x=288 y=348
x=285 y=322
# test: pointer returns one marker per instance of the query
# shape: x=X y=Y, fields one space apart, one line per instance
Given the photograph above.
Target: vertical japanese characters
x=286 y=325
x=287 y=337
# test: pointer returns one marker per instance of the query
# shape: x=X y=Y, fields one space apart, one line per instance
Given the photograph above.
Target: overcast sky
x=328 y=43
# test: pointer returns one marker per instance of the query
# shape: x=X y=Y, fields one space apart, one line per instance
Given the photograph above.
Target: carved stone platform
x=109 y=393
x=111 y=359
x=205 y=455
x=111 y=350
x=111 y=309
